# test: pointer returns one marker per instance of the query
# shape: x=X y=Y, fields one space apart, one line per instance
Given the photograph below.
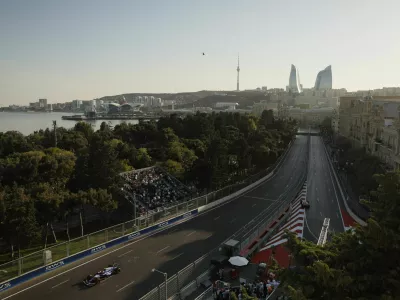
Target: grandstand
x=154 y=189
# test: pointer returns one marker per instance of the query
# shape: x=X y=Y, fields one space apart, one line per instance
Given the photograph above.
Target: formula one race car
x=92 y=280
x=305 y=204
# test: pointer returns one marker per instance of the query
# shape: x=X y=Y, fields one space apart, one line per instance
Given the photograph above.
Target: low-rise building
x=258 y=108
x=373 y=124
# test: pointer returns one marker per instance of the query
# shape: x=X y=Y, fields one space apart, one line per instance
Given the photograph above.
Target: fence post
x=20 y=262
x=159 y=292
x=67 y=248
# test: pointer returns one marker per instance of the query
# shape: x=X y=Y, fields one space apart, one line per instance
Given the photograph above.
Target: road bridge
x=308 y=131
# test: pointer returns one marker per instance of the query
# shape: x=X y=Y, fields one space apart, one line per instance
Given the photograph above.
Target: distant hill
x=189 y=96
x=200 y=98
x=244 y=99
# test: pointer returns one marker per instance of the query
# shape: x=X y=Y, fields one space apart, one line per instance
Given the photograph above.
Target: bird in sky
x=203 y=53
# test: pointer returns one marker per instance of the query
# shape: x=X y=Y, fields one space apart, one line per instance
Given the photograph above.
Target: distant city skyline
x=88 y=49
x=324 y=79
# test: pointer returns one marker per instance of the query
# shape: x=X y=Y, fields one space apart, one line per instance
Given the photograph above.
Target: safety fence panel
x=78 y=245
x=10 y=270
x=185 y=273
x=198 y=261
x=206 y=295
x=32 y=262
x=188 y=289
x=154 y=294
x=172 y=287
x=203 y=277
x=59 y=251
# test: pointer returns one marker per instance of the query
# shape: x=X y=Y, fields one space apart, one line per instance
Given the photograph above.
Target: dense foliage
x=47 y=177
x=359 y=264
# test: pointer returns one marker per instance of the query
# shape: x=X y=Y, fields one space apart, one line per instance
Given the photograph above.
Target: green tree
x=267 y=118
x=85 y=129
x=74 y=141
x=143 y=159
x=13 y=142
x=18 y=223
x=48 y=200
x=173 y=167
x=103 y=200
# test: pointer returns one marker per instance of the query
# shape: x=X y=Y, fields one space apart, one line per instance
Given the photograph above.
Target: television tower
x=238 y=70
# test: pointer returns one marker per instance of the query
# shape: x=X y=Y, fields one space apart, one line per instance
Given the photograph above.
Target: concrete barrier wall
x=126 y=238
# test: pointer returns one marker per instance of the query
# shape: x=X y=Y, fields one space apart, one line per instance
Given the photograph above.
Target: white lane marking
x=125 y=253
x=125 y=286
x=232 y=221
x=320 y=213
x=60 y=284
x=253 y=205
x=191 y=233
x=162 y=249
x=149 y=235
x=210 y=235
x=264 y=199
x=317 y=199
x=217 y=218
x=177 y=256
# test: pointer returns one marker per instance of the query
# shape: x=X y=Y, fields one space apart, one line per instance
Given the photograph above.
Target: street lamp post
x=165 y=277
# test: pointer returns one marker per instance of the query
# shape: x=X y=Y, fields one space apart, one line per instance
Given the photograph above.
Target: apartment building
x=372 y=123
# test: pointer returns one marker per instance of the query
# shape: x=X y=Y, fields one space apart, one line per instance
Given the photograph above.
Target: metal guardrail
x=60 y=251
x=206 y=295
x=186 y=278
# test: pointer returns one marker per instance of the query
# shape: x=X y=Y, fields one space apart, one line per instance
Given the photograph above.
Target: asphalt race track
x=169 y=250
x=322 y=193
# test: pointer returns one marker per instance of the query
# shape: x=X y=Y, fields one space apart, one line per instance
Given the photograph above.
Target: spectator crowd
x=154 y=189
x=259 y=289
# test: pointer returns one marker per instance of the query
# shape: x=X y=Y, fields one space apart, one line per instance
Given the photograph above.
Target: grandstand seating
x=154 y=189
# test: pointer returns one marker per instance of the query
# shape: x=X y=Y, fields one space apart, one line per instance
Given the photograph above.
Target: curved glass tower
x=294 y=80
x=324 y=79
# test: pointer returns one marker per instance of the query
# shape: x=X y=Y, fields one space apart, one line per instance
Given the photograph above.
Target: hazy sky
x=83 y=49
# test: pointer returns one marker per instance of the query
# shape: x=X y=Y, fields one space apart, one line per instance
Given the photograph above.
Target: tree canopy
x=359 y=264
x=49 y=184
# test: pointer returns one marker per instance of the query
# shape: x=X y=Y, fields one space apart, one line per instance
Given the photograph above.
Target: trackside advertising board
x=55 y=265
